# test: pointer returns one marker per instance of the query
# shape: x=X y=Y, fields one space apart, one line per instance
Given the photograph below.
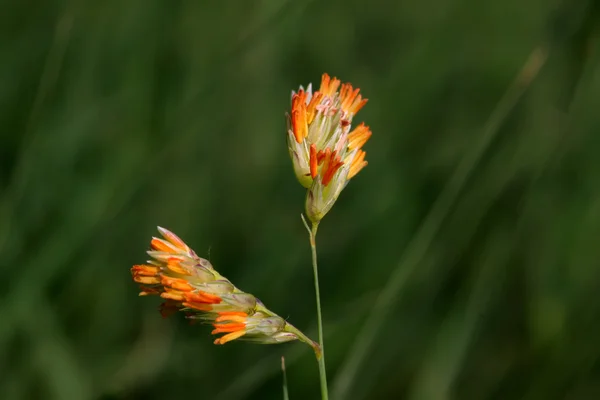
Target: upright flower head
x=325 y=151
x=191 y=284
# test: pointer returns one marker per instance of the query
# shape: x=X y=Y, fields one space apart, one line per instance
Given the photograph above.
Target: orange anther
x=146 y=280
x=349 y=97
x=358 y=163
x=202 y=297
x=320 y=157
x=314 y=164
x=176 y=295
x=232 y=318
x=329 y=86
x=358 y=104
x=229 y=337
x=331 y=164
x=299 y=122
x=232 y=327
x=161 y=245
x=240 y=313
x=176 y=283
x=173 y=264
x=359 y=136
x=144 y=270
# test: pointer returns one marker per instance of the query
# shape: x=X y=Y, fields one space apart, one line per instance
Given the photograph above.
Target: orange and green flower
x=325 y=151
x=190 y=284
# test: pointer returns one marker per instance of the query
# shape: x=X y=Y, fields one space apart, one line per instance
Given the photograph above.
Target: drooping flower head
x=325 y=151
x=190 y=283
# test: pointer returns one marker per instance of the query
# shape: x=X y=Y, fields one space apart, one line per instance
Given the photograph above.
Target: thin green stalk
x=286 y=395
x=312 y=231
x=422 y=240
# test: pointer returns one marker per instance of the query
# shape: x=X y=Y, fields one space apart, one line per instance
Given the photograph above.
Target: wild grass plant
x=326 y=153
x=437 y=281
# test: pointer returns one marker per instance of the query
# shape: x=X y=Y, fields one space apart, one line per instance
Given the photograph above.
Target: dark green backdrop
x=478 y=217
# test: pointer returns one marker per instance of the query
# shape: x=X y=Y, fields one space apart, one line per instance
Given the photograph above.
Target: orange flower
x=326 y=153
x=189 y=283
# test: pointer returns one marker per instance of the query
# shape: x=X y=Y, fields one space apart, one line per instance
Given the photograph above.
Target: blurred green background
x=462 y=263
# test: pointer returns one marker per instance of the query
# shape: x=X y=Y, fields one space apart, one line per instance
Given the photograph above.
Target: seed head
x=190 y=284
x=326 y=153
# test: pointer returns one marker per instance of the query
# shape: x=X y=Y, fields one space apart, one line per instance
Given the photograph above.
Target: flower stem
x=286 y=395
x=303 y=338
x=320 y=359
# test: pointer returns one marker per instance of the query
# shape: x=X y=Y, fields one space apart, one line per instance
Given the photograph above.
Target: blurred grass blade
x=446 y=355
x=420 y=243
x=48 y=79
x=286 y=395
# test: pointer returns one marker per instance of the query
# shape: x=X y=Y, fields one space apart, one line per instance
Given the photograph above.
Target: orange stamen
x=320 y=157
x=202 y=297
x=146 y=280
x=144 y=270
x=182 y=285
x=299 y=100
x=325 y=79
x=229 y=337
x=351 y=100
x=314 y=163
x=173 y=263
x=240 y=313
x=233 y=327
x=161 y=245
x=358 y=104
x=357 y=164
x=172 y=295
x=347 y=95
x=331 y=164
x=299 y=122
x=176 y=283
x=233 y=318
x=359 y=136
x=329 y=86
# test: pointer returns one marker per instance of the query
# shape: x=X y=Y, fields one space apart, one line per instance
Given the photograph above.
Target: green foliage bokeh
x=117 y=116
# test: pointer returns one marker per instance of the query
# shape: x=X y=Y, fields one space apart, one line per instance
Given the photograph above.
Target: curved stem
x=286 y=395
x=303 y=338
x=320 y=358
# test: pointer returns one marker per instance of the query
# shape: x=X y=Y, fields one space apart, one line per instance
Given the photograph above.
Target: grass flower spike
x=325 y=151
x=190 y=283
